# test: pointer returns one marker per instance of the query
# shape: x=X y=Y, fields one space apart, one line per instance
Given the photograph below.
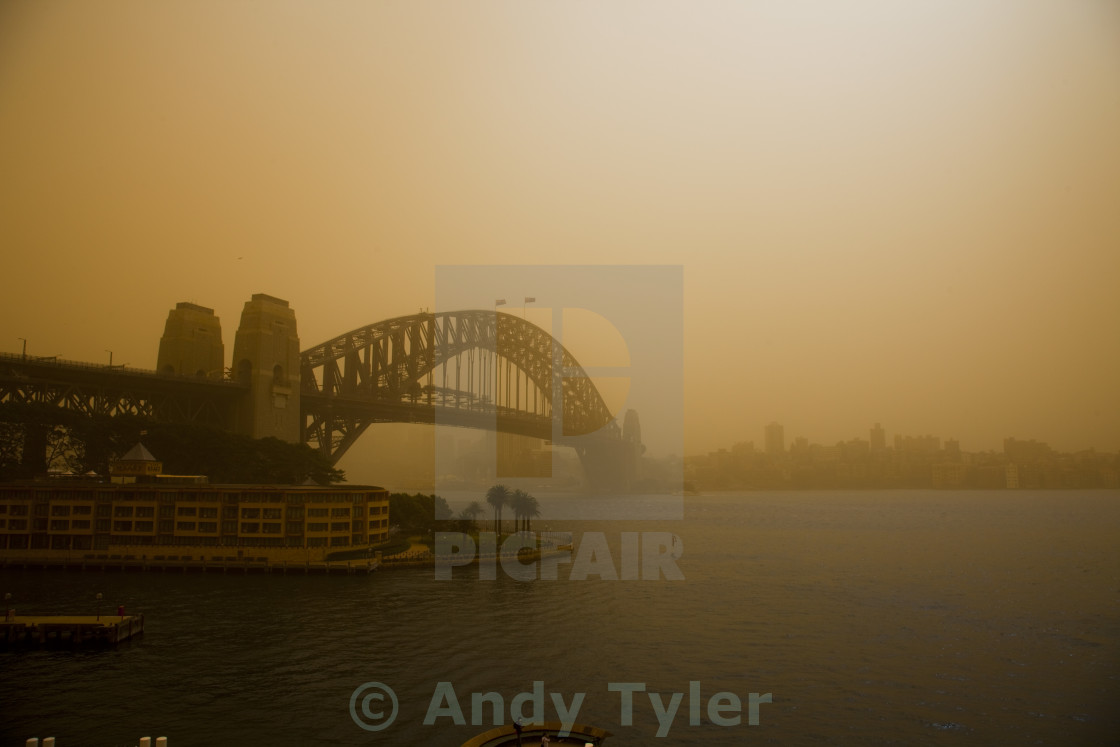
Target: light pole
x=110 y=352
x=24 y=353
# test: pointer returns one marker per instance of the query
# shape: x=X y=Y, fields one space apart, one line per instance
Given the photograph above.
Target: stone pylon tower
x=192 y=343
x=266 y=356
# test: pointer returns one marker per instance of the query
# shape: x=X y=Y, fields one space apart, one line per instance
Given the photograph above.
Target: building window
x=184 y=526
x=60 y=525
x=271 y=527
x=122 y=526
x=273 y=513
x=250 y=513
x=145 y=512
x=210 y=512
x=340 y=526
x=186 y=511
x=139 y=526
x=295 y=527
x=210 y=527
x=60 y=510
x=339 y=512
x=317 y=512
x=252 y=528
x=317 y=526
x=120 y=511
x=340 y=541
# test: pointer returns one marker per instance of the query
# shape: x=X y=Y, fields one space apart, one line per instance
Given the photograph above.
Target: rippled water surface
x=873 y=618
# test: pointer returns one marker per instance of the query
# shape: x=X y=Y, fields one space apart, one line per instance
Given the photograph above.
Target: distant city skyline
x=773 y=433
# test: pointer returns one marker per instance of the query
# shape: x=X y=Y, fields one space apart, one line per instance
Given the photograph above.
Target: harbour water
x=888 y=617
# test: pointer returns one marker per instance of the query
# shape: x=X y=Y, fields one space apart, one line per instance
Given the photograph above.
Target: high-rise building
x=878 y=439
x=775 y=439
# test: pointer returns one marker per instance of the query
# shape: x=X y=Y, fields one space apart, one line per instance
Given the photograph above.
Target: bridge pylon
x=266 y=357
x=192 y=343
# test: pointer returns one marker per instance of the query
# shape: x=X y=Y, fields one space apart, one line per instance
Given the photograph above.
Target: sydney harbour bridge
x=474 y=369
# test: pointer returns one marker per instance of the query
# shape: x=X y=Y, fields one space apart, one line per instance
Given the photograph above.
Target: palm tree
x=498 y=496
x=471 y=513
x=531 y=511
x=519 y=501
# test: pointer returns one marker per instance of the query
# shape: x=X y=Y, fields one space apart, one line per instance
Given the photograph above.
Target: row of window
x=203 y=527
x=172 y=496
x=103 y=508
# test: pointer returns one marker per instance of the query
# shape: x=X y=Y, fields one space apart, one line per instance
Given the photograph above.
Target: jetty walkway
x=73 y=629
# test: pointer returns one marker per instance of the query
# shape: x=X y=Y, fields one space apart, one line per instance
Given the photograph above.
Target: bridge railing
x=102 y=367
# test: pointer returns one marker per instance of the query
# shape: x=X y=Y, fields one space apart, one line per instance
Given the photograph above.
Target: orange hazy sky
x=903 y=212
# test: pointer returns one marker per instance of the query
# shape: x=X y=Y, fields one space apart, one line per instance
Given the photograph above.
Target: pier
x=189 y=564
x=72 y=629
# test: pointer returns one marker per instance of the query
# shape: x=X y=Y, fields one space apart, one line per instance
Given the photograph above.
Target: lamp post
x=110 y=352
x=99 y=606
x=23 y=355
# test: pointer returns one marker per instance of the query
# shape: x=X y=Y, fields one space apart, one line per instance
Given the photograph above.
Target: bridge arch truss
x=469 y=368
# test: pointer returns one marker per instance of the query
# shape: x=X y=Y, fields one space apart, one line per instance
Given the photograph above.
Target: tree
x=498 y=496
x=35 y=437
x=470 y=514
x=526 y=508
x=532 y=511
x=417 y=513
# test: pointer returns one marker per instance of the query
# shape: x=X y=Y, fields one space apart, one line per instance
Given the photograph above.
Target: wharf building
x=142 y=513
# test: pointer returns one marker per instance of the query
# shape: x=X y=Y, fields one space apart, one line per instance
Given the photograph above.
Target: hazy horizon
x=901 y=213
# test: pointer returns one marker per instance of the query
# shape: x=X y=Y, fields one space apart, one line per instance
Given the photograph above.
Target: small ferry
x=535 y=735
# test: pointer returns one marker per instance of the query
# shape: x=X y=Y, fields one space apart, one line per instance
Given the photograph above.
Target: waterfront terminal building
x=142 y=514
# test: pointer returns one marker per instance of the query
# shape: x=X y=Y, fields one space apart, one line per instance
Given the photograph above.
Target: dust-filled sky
x=903 y=212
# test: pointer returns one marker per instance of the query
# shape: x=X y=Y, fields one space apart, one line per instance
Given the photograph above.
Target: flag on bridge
x=500 y=302
x=530 y=299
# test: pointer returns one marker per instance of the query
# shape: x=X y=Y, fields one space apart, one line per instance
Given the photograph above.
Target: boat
x=532 y=735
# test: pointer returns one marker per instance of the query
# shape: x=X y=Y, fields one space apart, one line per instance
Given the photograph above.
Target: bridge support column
x=266 y=357
x=192 y=343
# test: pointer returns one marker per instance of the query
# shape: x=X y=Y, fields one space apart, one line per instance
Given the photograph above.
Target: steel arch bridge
x=477 y=368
